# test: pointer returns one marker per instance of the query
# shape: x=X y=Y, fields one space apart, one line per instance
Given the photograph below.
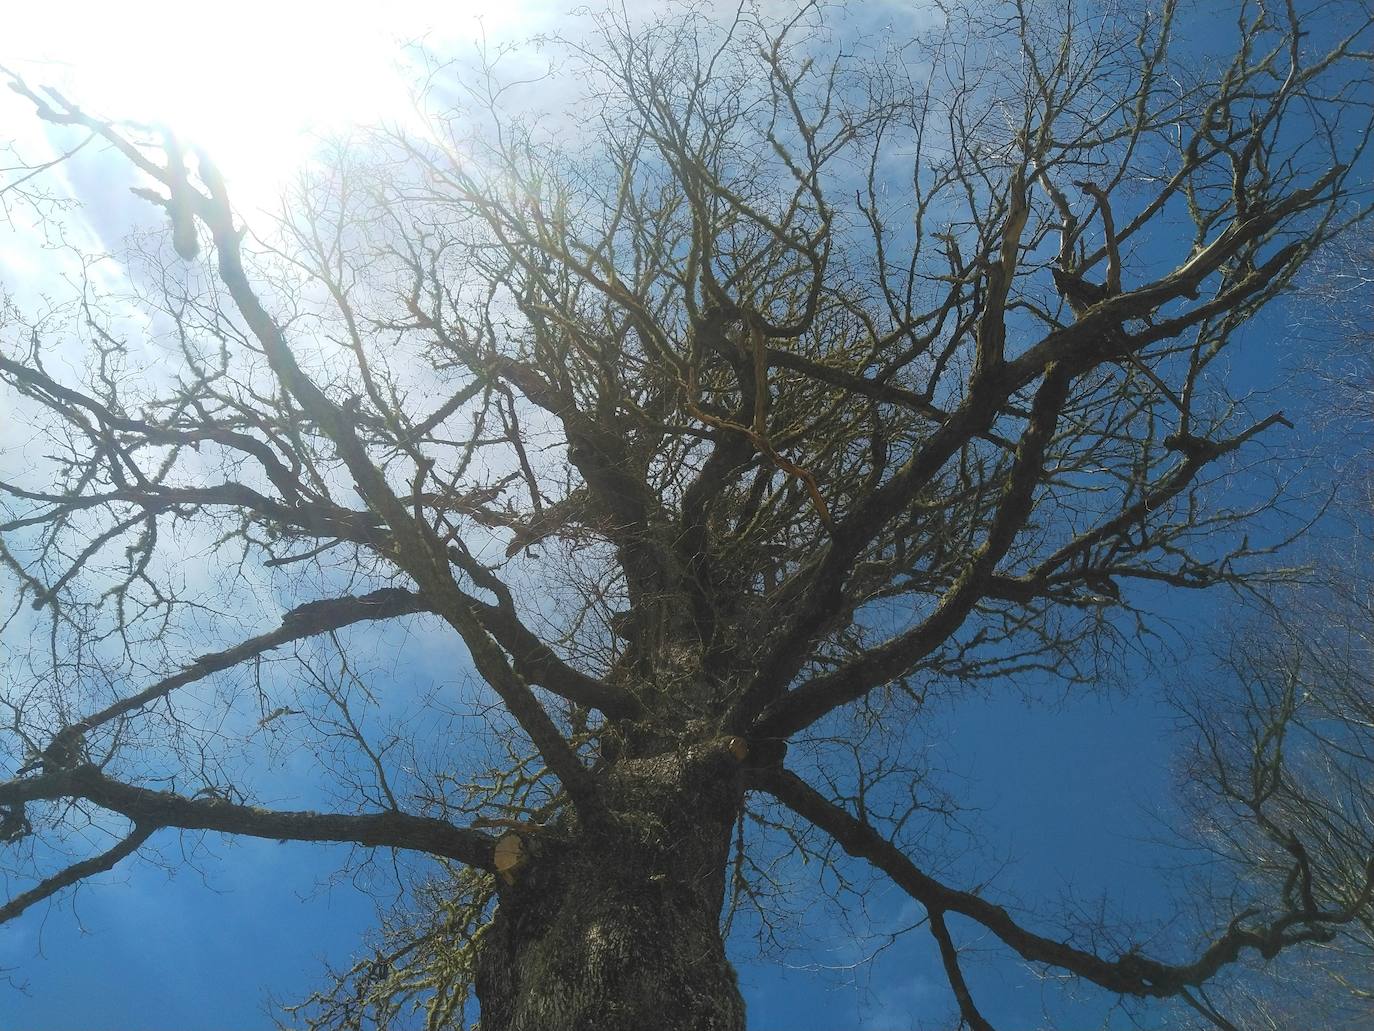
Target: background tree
x=1279 y=788
x=769 y=394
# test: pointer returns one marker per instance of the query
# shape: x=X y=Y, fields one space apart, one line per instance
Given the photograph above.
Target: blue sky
x=1064 y=794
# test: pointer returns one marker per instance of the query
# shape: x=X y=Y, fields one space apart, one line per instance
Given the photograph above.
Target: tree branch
x=50 y=886
x=949 y=956
x=304 y=621
x=1131 y=974
x=153 y=809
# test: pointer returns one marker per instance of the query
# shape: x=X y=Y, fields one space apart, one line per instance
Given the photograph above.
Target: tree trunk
x=613 y=923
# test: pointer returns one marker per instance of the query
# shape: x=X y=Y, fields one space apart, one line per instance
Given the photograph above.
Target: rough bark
x=617 y=926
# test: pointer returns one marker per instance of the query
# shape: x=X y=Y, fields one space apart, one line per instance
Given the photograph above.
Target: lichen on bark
x=614 y=921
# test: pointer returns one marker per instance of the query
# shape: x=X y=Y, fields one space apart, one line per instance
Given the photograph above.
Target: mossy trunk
x=613 y=923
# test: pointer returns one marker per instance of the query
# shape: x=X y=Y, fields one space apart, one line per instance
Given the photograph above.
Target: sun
x=254 y=84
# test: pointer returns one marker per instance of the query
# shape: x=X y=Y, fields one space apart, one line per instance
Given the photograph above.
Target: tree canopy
x=733 y=414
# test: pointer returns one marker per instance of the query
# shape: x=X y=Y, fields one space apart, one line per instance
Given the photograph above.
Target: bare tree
x=1335 y=343
x=1281 y=795
x=758 y=397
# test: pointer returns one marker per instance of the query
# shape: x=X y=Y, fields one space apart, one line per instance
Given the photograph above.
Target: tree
x=1280 y=783
x=767 y=395
x=1337 y=348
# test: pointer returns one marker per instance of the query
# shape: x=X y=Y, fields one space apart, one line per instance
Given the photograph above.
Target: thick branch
x=949 y=956
x=308 y=620
x=1131 y=974
x=50 y=886
x=878 y=390
x=536 y=662
x=154 y=809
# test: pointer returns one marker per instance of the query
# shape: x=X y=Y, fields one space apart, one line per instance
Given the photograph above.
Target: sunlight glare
x=256 y=83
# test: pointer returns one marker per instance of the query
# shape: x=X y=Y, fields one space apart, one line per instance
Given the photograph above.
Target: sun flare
x=256 y=87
